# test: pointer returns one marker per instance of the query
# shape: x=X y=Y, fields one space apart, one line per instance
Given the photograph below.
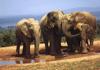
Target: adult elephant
x=86 y=18
x=49 y=31
x=71 y=32
x=54 y=25
x=27 y=30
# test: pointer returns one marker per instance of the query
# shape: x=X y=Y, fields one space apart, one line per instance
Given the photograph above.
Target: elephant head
x=85 y=17
x=24 y=26
x=79 y=17
x=54 y=18
x=27 y=26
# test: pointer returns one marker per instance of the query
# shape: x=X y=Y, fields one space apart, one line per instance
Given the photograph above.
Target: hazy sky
x=36 y=7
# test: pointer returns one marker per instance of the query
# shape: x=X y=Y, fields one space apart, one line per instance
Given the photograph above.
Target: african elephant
x=27 y=30
x=72 y=34
x=86 y=18
x=49 y=31
x=54 y=25
x=86 y=35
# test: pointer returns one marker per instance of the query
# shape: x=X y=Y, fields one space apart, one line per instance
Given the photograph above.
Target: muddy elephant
x=85 y=18
x=27 y=30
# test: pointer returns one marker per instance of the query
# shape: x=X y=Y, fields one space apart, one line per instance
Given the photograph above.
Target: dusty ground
x=8 y=53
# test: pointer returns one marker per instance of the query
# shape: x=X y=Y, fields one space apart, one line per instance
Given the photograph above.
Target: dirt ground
x=8 y=53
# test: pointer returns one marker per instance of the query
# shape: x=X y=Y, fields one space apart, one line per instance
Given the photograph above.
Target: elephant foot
x=36 y=55
x=47 y=53
x=17 y=55
x=84 y=51
x=71 y=51
x=61 y=55
x=27 y=56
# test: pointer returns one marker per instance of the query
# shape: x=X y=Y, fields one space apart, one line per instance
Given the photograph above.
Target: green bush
x=7 y=37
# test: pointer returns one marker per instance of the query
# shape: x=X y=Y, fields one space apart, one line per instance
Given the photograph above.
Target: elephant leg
x=58 y=45
x=52 y=45
x=47 y=49
x=91 y=44
x=77 y=43
x=24 y=49
x=28 y=49
x=36 y=52
x=70 y=45
x=84 y=47
x=18 y=47
x=27 y=54
x=78 y=46
x=83 y=40
x=88 y=44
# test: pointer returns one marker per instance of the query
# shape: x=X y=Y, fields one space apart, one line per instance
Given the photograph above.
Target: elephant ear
x=25 y=30
x=22 y=26
x=54 y=18
x=26 y=27
x=79 y=17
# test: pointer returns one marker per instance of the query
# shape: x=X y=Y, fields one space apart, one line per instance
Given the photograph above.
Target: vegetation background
x=8 y=37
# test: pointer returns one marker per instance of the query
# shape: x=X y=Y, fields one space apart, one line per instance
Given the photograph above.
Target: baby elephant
x=27 y=30
x=86 y=35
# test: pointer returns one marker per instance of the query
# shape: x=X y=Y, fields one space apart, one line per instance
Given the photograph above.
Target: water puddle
x=21 y=61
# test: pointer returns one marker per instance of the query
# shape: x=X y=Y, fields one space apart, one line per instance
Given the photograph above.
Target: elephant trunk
x=37 y=41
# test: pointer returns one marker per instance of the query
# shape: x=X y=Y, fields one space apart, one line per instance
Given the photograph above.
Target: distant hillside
x=11 y=21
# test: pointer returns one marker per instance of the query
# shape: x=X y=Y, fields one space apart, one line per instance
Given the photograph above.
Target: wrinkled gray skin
x=27 y=30
x=87 y=37
x=54 y=25
x=49 y=31
x=86 y=18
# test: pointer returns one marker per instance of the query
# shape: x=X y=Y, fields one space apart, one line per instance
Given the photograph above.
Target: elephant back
x=85 y=17
x=43 y=21
x=91 y=19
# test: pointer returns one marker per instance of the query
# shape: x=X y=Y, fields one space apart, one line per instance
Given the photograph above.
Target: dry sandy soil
x=8 y=54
